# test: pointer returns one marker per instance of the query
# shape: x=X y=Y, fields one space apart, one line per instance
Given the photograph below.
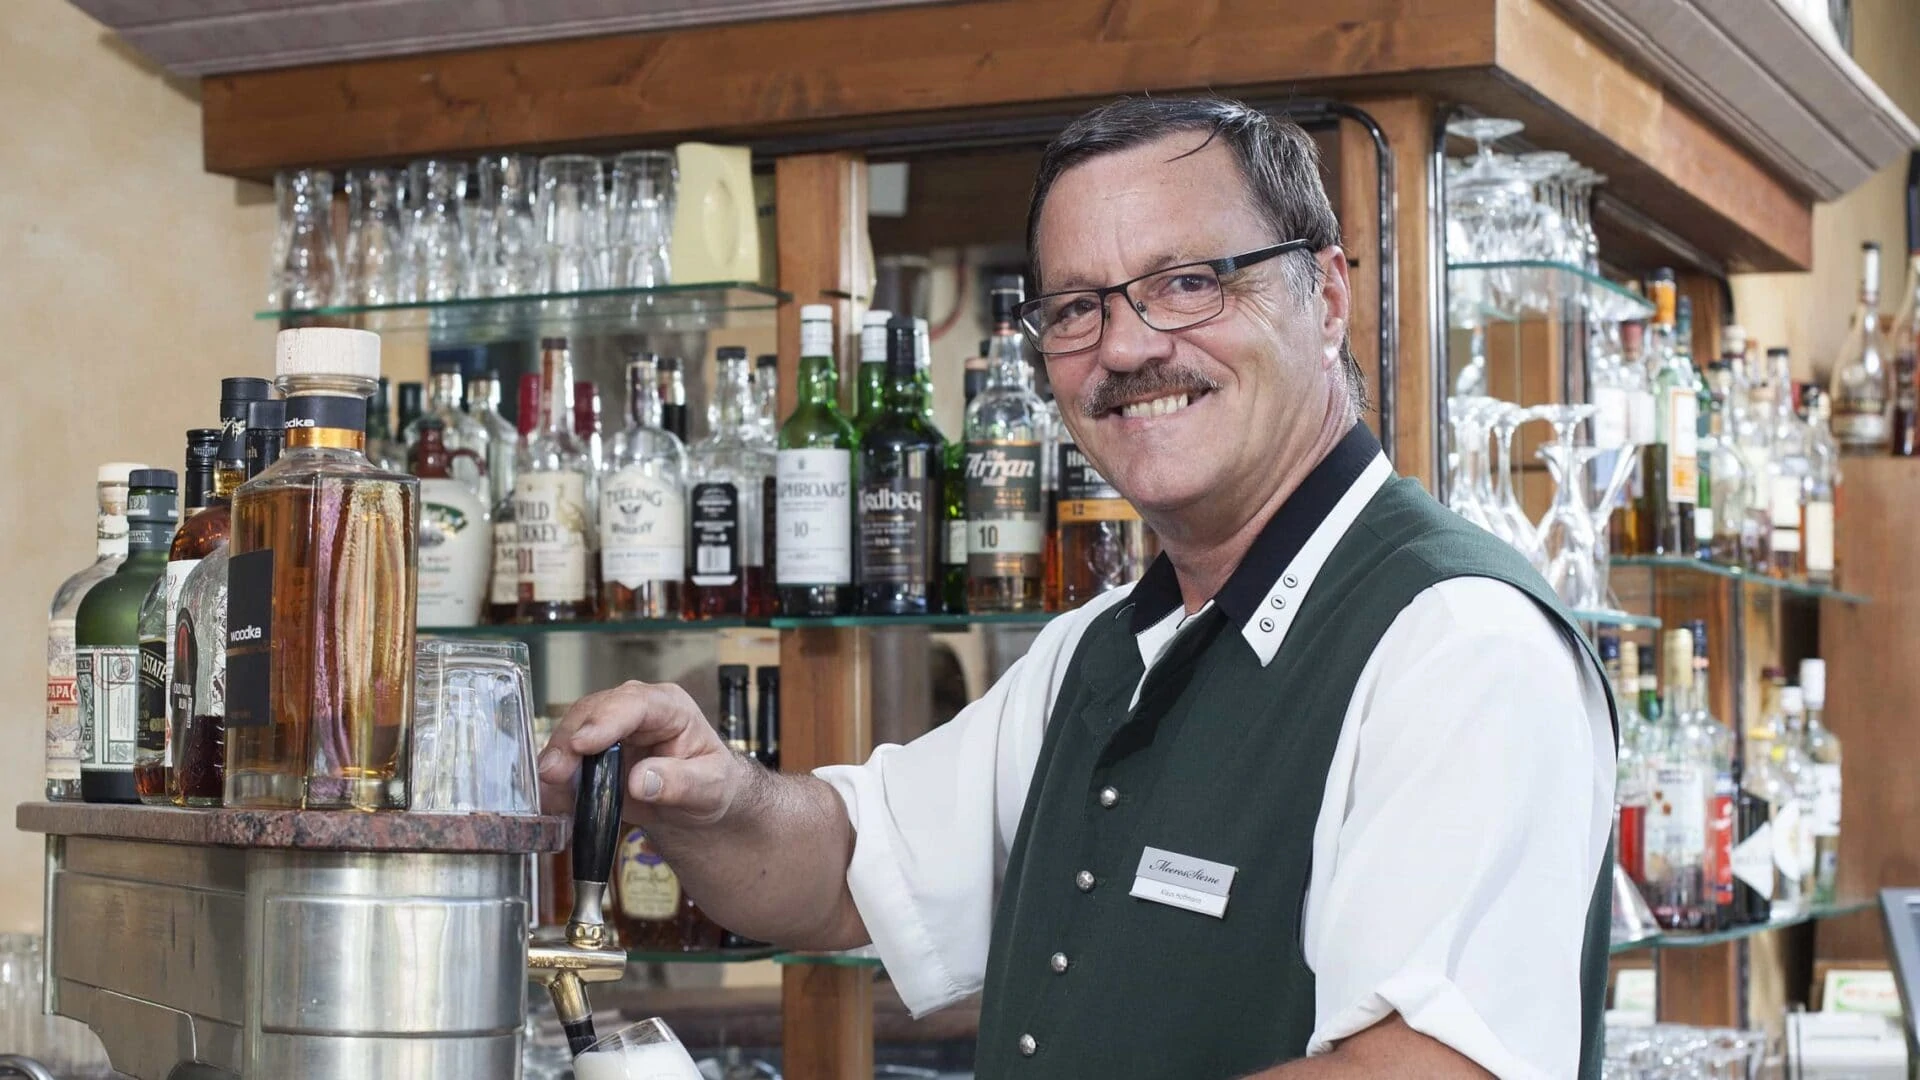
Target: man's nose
x=1128 y=343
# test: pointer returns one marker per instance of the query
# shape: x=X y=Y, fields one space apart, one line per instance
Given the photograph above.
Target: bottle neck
x=326 y=420
x=643 y=396
x=483 y=395
x=444 y=392
x=556 y=392
x=152 y=514
x=1007 y=359
x=734 y=396
x=901 y=394
x=110 y=535
x=201 y=486
x=818 y=383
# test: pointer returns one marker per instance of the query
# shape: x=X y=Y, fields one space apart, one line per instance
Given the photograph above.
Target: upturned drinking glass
x=436 y=235
x=507 y=256
x=376 y=263
x=306 y=269
x=640 y=230
x=572 y=210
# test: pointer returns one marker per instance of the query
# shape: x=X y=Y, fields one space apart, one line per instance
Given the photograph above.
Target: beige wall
x=127 y=277
x=1808 y=313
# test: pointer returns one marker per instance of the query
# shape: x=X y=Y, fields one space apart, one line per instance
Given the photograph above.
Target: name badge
x=1182 y=881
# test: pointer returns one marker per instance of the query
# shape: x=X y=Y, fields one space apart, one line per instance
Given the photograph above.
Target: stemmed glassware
x=1467 y=485
x=1520 y=530
x=1567 y=533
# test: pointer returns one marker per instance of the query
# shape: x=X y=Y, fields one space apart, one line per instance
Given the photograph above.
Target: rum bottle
x=1676 y=826
x=1005 y=439
x=901 y=461
x=643 y=509
x=63 y=703
x=1670 y=463
x=550 y=502
x=1859 y=381
x=1823 y=756
x=813 y=500
x=730 y=471
x=320 y=616
x=107 y=655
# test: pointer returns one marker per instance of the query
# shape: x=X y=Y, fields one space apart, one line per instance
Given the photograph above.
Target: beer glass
x=572 y=208
x=647 y=1050
x=472 y=728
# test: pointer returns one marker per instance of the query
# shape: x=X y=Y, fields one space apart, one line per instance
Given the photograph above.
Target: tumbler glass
x=376 y=261
x=472 y=728
x=437 y=238
x=507 y=253
x=644 y=187
x=306 y=270
x=647 y=1050
x=572 y=212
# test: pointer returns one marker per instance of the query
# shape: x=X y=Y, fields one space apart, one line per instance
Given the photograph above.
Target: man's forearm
x=774 y=867
x=1388 y=1048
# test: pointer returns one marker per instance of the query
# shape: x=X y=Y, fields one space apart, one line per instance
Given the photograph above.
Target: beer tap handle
x=596 y=833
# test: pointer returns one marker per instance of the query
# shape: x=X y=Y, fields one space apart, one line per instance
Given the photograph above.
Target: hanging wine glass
x=1522 y=533
x=1567 y=532
x=1466 y=485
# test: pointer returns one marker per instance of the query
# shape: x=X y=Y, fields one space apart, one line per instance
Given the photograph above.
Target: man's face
x=1204 y=417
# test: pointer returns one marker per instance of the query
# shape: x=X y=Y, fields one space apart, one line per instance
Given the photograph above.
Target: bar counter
x=310 y=830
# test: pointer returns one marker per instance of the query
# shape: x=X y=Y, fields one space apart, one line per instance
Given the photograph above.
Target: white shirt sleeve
x=934 y=821
x=1467 y=809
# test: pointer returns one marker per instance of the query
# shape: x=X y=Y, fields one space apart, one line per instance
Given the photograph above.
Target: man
x=1326 y=794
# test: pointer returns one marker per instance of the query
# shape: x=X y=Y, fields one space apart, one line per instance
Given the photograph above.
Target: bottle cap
x=1004 y=297
x=1679 y=671
x=766 y=360
x=553 y=343
x=154 y=478
x=1792 y=700
x=816 y=313
x=1733 y=340
x=117 y=472
x=873 y=337
x=266 y=415
x=767 y=675
x=327 y=350
x=1813 y=682
x=733 y=673
x=816 y=330
x=876 y=317
x=203 y=445
x=731 y=353
x=244 y=389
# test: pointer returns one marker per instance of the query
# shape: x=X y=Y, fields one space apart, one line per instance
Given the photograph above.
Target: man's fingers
x=643 y=713
x=695 y=789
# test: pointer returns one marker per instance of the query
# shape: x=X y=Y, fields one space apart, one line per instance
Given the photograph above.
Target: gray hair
x=1278 y=160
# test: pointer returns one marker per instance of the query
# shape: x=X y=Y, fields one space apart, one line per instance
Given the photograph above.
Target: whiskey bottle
x=673 y=398
x=736 y=722
x=1787 y=470
x=550 y=502
x=458 y=430
x=1860 y=370
x=730 y=473
x=652 y=913
x=63 y=702
x=1676 y=825
x=409 y=406
x=1823 y=755
x=813 y=493
x=203 y=527
x=766 y=726
x=503 y=594
x=643 y=509
x=107 y=641
x=953 y=511
x=1103 y=542
x=1670 y=464
x=766 y=392
x=382 y=448
x=1005 y=435
x=586 y=423
x=1723 y=466
x=320 y=617
x=456 y=539
x=483 y=404
x=1822 y=493
x=266 y=437
x=901 y=459
x=871 y=384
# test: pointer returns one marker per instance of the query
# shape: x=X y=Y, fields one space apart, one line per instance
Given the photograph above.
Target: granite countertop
x=318 y=830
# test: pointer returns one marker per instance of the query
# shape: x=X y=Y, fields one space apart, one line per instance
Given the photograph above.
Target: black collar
x=1285 y=533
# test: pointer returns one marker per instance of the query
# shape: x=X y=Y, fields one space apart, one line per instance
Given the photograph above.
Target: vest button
x=1109 y=796
x=1028 y=1047
x=1084 y=880
x=1059 y=963
x=1278 y=602
x=1266 y=625
x=1291 y=581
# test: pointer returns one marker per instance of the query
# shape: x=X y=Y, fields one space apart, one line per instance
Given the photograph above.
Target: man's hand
x=681 y=774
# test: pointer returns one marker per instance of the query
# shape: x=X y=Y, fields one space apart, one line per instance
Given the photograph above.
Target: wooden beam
x=820 y=221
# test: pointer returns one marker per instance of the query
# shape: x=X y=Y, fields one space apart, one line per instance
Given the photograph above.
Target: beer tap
x=589 y=953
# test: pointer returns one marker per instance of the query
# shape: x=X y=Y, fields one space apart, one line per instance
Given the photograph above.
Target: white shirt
x=1467 y=809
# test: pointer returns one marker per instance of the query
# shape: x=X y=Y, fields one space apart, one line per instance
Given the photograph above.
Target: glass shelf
x=631 y=626
x=710 y=956
x=1793 y=586
x=510 y=318
x=1484 y=292
x=1624 y=619
x=828 y=959
x=1681 y=939
x=948 y=622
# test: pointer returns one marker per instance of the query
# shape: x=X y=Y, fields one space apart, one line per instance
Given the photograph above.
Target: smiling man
x=1326 y=794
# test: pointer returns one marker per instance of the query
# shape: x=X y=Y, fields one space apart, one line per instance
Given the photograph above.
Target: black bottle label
x=186 y=654
x=250 y=639
x=715 y=520
x=896 y=523
x=151 y=735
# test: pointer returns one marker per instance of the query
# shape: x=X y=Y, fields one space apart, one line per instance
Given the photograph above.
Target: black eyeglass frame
x=1220 y=267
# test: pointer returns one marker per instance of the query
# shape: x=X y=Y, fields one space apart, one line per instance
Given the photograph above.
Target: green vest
x=1225 y=760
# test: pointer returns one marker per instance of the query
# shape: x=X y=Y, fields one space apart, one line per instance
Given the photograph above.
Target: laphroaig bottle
x=730 y=472
x=1823 y=752
x=901 y=459
x=550 y=502
x=63 y=702
x=813 y=500
x=1671 y=462
x=320 y=618
x=1787 y=470
x=1005 y=436
x=456 y=538
x=643 y=509
x=107 y=641
x=1860 y=380
x=1676 y=826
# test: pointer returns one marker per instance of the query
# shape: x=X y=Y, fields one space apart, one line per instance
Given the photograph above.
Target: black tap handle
x=596 y=816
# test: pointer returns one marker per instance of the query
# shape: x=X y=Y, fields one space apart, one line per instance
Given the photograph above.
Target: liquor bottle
x=410 y=405
x=651 y=912
x=503 y=593
x=1749 y=426
x=1725 y=468
x=1052 y=434
x=586 y=422
x=382 y=448
x=63 y=702
x=1714 y=741
x=456 y=539
x=550 y=502
x=159 y=614
x=872 y=372
x=1623 y=525
x=1752 y=859
x=1762 y=774
x=813 y=500
x=766 y=727
x=199 y=694
x=973 y=377
x=1005 y=437
x=766 y=395
x=953 y=513
x=1670 y=462
x=1823 y=754
x=736 y=720
x=673 y=398
x=730 y=470
x=1630 y=776
x=458 y=430
x=1787 y=471
x=1676 y=825
x=483 y=405
x=923 y=366
x=1822 y=493
x=1905 y=435
x=1103 y=542
x=901 y=462
x=643 y=509
x=1859 y=379
x=107 y=641
x=1647 y=700
x=320 y=597
x=1790 y=756
x=1703 y=503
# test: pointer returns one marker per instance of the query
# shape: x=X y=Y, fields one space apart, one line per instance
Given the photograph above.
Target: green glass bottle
x=872 y=375
x=902 y=459
x=953 y=540
x=813 y=483
x=107 y=641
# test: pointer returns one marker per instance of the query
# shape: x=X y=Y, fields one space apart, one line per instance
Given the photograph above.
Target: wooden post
x=821 y=218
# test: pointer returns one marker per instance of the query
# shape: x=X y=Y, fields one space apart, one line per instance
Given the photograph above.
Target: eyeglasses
x=1175 y=298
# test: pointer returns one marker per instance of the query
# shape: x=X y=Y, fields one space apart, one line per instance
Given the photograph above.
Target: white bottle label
x=1703 y=525
x=108 y=680
x=643 y=528
x=1785 y=503
x=1818 y=536
x=1640 y=417
x=454 y=554
x=550 y=511
x=1676 y=825
x=1826 y=800
x=1753 y=860
x=813 y=511
x=1683 y=445
x=506 y=564
x=956 y=553
x=63 y=704
x=1787 y=828
x=1612 y=422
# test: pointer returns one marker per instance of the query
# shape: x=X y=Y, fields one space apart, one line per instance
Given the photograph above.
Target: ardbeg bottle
x=901 y=460
x=1006 y=515
x=813 y=504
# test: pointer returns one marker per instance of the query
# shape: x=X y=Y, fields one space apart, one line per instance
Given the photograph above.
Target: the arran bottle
x=1006 y=511
x=550 y=502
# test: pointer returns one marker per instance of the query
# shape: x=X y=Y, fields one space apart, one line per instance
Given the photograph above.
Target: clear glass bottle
x=586 y=423
x=320 y=625
x=503 y=441
x=1822 y=495
x=1905 y=339
x=766 y=397
x=871 y=386
x=1787 y=471
x=1630 y=775
x=550 y=508
x=1714 y=741
x=1632 y=375
x=63 y=751
x=458 y=430
x=1006 y=430
x=1748 y=422
x=1727 y=471
x=107 y=654
x=456 y=538
x=409 y=405
x=1823 y=755
x=382 y=448
x=813 y=500
x=1860 y=383
x=901 y=461
x=1670 y=464
x=503 y=594
x=643 y=509
x=673 y=397
x=1676 y=826
x=730 y=473
x=1790 y=756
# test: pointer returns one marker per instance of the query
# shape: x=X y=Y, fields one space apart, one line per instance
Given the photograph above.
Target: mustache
x=1150 y=382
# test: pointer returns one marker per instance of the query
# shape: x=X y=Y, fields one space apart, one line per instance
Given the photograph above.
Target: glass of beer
x=647 y=1050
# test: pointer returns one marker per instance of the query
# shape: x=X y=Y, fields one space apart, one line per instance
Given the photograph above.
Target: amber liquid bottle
x=551 y=489
x=1103 y=542
x=321 y=598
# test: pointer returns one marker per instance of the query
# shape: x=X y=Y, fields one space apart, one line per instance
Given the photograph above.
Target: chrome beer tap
x=589 y=953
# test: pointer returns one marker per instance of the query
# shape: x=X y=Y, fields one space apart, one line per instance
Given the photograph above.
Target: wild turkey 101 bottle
x=550 y=512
